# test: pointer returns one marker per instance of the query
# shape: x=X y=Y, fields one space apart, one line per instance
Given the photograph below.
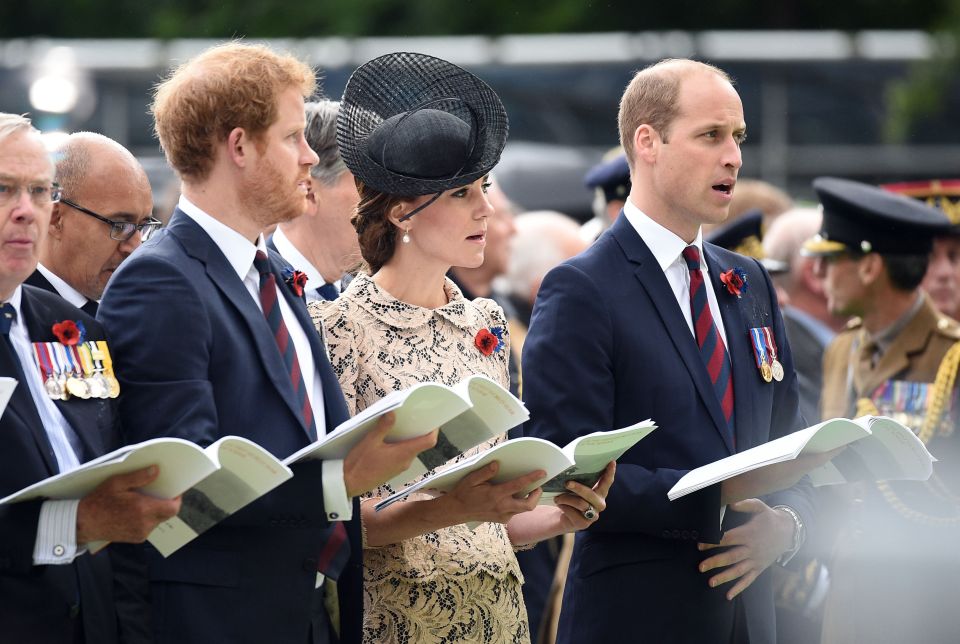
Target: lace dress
x=452 y=585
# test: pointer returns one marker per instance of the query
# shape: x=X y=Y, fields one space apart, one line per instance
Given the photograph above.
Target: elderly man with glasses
x=103 y=215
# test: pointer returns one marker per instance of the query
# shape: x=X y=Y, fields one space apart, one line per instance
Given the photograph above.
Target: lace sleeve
x=340 y=334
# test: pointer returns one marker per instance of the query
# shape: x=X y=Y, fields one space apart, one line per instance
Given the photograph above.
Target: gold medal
x=777 y=370
x=114 y=386
x=766 y=372
x=78 y=387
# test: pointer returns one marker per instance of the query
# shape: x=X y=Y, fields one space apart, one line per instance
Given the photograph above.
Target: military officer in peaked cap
x=894 y=556
x=942 y=281
x=610 y=182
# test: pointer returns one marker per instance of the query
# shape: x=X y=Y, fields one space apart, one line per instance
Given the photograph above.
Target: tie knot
x=691 y=254
x=7 y=315
x=261 y=262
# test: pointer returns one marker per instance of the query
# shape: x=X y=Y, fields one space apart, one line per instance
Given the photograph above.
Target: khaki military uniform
x=896 y=559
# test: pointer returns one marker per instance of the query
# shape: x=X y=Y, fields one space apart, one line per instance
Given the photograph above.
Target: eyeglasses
x=121 y=230
x=41 y=194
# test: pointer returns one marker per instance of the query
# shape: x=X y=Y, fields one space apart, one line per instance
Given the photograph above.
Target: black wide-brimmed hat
x=411 y=125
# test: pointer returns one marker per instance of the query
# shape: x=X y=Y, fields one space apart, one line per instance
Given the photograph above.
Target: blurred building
x=815 y=102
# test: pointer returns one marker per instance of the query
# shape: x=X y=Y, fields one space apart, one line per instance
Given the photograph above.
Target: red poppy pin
x=490 y=340
x=296 y=280
x=735 y=280
x=69 y=332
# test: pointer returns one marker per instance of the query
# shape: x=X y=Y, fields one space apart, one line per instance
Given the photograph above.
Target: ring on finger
x=590 y=513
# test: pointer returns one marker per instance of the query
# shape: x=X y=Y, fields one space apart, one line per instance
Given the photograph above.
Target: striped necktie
x=335 y=550
x=271 y=310
x=712 y=349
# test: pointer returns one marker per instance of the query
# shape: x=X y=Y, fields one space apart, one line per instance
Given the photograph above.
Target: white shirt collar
x=63 y=289
x=665 y=245
x=15 y=300
x=296 y=259
x=238 y=250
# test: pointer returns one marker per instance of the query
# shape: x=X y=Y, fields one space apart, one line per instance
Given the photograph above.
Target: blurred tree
x=273 y=18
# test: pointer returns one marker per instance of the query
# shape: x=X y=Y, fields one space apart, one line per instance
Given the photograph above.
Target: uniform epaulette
x=949 y=327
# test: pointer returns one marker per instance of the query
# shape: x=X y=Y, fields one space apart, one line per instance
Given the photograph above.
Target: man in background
x=102 y=216
x=322 y=242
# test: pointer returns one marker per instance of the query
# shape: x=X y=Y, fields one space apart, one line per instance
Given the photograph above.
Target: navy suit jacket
x=196 y=359
x=44 y=603
x=608 y=346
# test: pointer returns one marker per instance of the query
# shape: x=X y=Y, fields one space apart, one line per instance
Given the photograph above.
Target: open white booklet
x=215 y=482
x=473 y=411
x=232 y=472
x=7 y=385
x=877 y=448
x=583 y=460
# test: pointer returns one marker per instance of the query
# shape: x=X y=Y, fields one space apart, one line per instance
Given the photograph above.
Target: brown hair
x=228 y=86
x=651 y=98
x=376 y=233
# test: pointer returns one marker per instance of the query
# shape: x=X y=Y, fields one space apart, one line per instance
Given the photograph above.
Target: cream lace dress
x=452 y=585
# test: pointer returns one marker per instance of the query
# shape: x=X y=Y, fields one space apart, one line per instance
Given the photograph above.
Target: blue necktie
x=328 y=292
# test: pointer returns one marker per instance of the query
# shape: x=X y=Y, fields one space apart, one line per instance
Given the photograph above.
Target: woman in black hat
x=421 y=136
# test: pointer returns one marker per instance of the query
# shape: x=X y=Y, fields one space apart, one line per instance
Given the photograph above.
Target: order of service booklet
x=582 y=460
x=232 y=472
x=876 y=448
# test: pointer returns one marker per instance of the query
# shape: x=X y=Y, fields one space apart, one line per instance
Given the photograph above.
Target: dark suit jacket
x=608 y=346
x=43 y=603
x=808 y=340
x=196 y=359
x=37 y=279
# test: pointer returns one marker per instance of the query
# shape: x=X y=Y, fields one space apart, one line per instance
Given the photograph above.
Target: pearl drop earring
x=406 y=237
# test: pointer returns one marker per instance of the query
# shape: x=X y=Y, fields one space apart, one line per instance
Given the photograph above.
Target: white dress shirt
x=63 y=289
x=667 y=249
x=56 y=541
x=240 y=253
x=296 y=259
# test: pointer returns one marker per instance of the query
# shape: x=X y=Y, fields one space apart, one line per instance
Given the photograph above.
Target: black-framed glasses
x=41 y=194
x=121 y=230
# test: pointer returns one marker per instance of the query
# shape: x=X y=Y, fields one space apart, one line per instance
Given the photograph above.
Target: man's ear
x=238 y=146
x=646 y=143
x=870 y=268
x=55 y=229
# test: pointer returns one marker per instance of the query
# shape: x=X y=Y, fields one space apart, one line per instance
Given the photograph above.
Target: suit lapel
x=655 y=284
x=21 y=403
x=742 y=361
x=198 y=245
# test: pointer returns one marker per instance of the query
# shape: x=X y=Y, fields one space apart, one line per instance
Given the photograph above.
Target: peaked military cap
x=862 y=218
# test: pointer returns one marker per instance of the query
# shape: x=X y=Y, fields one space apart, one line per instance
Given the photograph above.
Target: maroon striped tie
x=336 y=549
x=712 y=349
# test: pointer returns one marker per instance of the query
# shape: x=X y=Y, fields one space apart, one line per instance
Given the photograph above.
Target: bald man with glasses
x=103 y=215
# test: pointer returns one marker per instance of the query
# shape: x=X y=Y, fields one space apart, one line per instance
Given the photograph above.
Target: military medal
x=59 y=368
x=45 y=364
x=104 y=353
x=776 y=368
x=760 y=354
x=76 y=385
x=98 y=387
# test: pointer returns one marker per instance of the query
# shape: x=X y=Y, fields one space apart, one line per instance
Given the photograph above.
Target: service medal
x=777 y=369
x=765 y=372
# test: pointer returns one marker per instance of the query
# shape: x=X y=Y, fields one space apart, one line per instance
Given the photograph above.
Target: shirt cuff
x=336 y=503
x=56 y=543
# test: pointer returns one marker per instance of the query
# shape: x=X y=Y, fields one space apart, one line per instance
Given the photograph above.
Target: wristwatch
x=799 y=534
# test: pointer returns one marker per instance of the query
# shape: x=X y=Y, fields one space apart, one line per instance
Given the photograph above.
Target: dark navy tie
x=336 y=547
x=712 y=349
